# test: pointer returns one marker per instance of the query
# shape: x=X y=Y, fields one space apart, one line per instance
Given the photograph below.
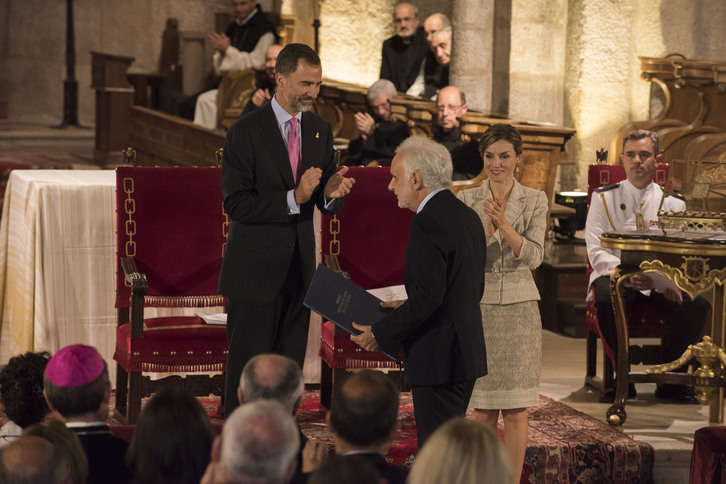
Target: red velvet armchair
x=171 y=232
x=367 y=241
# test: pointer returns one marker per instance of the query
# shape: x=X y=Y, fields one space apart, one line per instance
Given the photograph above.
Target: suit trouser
x=280 y=326
x=688 y=317
x=433 y=405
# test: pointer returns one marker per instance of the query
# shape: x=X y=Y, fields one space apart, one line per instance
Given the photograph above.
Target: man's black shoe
x=609 y=396
x=676 y=394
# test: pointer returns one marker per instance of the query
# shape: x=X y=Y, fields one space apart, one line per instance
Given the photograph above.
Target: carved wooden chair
x=171 y=232
x=367 y=241
x=643 y=322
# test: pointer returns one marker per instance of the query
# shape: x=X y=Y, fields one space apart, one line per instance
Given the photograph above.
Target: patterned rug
x=565 y=446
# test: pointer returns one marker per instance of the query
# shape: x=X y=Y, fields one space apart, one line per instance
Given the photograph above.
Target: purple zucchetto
x=74 y=366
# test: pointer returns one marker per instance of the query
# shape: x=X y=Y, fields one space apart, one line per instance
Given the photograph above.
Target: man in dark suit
x=402 y=54
x=380 y=132
x=278 y=165
x=439 y=325
x=363 y=418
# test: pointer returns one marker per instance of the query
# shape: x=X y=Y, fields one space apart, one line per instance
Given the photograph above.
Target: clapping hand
x=365 y=123
x=218 y=42
x=338 y=185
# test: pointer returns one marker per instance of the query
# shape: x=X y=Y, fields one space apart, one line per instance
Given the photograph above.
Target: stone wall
x=572 y=62
x=602 y=85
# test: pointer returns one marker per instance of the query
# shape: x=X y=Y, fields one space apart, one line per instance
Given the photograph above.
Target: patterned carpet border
x=565 y=446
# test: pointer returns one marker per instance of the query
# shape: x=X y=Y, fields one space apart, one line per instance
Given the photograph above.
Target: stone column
x=472 y=51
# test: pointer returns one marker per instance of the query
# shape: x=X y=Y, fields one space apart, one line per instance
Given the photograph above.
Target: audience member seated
x=78 y=391
x=436 y=66
x=276 y=377
x=380 y=134
x=434 y=23
x=67 y=444
x=259 y=443
x=241 y=46
x=33 y=459
x=350 y=469
x=264 y=81
x=461 y=451
x=450 y=105
x=21 y=391
x=364 y=419
x=629 y=205
x=172 y=441
x=403 y=53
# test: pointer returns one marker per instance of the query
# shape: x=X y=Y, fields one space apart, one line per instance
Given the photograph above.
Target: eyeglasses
x=451 y=108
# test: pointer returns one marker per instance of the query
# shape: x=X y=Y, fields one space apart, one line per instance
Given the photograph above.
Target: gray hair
x=259 y=442
x=281 y=380
x=644 y=133
x=431 y=159
x=381 y=87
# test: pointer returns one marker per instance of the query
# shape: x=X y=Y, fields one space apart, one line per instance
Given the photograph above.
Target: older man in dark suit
x=278 y=165
x=439 y=325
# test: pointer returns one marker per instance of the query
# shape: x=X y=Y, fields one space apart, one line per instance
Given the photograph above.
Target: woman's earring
x=516 y=168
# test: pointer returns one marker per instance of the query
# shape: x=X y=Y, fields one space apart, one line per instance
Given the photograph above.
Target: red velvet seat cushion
x=708 y=460
x=173 y=344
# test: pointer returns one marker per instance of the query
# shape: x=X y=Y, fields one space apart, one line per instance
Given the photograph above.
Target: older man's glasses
x=449 y=107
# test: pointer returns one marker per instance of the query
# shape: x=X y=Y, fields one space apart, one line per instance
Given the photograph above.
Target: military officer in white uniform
x=633 y=205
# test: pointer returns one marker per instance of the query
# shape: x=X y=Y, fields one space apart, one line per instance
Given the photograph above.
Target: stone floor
x=668 y=428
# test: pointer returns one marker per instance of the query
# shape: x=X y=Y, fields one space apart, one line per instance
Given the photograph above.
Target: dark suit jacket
x=400 y=62
x=380 y=146
x=256 y=177
x=106 y=455
x=439 y=326
x=392 y=474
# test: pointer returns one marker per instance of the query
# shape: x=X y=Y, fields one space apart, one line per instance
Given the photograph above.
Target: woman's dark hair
x=501 y=131
x=21 y=388
x=172 y=440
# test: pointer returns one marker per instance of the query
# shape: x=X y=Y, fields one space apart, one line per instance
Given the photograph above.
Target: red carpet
x=564 y=445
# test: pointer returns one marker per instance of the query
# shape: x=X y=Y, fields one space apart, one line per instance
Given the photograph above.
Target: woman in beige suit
x=514 y=219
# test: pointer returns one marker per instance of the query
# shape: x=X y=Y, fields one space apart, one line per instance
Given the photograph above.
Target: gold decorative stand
x=696 y=263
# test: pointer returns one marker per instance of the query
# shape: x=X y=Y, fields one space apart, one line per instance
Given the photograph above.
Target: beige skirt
x=513 y=337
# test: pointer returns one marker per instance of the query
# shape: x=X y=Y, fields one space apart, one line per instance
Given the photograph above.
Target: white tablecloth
x=57 y=245
x=57 y=265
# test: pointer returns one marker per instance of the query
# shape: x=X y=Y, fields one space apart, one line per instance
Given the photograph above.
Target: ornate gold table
x=696 y=263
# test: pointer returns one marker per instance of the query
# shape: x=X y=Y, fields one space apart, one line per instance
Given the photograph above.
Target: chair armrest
x=333 y=263
x=139 y=289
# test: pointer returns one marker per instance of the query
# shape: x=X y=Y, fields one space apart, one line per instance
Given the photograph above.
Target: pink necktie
x=293 y=148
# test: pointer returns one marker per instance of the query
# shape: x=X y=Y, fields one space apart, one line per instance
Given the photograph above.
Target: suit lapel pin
x=317 y=135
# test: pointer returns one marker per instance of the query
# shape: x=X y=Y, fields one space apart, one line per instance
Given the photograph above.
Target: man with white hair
x=380 y=133
x=439 y=325
x=258 y=445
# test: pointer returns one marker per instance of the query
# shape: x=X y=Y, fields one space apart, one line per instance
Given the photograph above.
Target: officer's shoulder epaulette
x=607 y=187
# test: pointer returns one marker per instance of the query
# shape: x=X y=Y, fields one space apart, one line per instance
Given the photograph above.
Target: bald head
x=32 y=459
x=271 y=59
x=433 y=24
x=441 y=45
x=274 y=377
x=450 y=105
